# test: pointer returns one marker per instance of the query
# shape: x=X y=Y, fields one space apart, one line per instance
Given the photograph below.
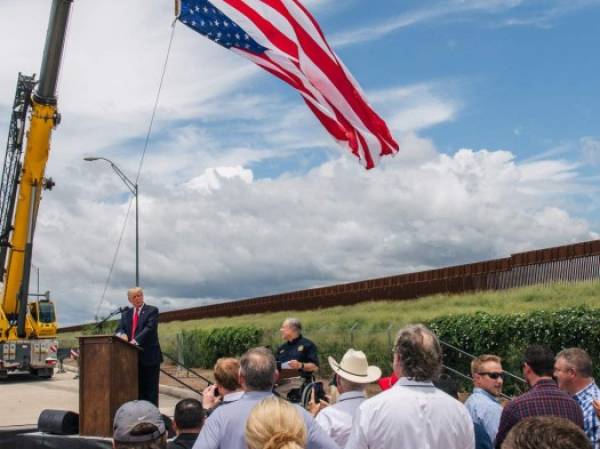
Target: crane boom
x=21 y=191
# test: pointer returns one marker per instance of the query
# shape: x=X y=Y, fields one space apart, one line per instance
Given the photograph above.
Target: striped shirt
x=591 y=424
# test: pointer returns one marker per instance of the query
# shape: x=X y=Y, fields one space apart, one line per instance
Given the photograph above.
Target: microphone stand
x=100 y=323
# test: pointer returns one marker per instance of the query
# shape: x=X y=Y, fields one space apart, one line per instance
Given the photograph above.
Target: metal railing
x=188 y=370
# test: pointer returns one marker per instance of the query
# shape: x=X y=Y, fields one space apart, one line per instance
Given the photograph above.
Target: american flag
x=283 y=38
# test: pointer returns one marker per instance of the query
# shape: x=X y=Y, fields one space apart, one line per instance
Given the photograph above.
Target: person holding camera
x=352 y=375
x=227 y=388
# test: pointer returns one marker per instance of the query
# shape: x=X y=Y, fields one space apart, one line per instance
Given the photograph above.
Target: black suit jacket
x=146 y=333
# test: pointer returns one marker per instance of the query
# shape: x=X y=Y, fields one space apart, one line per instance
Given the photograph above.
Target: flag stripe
x=261 y=18
x=333 y=93
x=324 y=111
x=289 y=10
x=330 y=71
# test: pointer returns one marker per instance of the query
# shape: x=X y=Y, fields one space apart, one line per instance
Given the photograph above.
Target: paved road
x=23 y=397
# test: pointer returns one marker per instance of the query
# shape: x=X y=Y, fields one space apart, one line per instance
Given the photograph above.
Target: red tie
x=136 y=312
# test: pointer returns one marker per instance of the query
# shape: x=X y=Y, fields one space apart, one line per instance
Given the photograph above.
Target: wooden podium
x=108 y=377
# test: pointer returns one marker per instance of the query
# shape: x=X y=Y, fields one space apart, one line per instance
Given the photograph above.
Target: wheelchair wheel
x=306 y=394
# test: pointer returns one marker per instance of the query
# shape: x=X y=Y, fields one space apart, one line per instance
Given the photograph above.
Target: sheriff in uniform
x=298 y=356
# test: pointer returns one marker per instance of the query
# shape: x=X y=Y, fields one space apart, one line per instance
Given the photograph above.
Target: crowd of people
x=244 y=408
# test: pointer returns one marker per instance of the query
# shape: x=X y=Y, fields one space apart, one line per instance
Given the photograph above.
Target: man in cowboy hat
x=352 y=375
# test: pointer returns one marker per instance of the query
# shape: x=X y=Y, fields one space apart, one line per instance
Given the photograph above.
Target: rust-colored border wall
x=580 y=261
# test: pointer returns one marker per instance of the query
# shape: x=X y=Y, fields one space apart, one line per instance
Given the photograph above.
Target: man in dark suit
x=139 y=326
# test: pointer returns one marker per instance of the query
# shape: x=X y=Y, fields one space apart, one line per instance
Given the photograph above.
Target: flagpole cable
x=140 y=165
x=160 y=86
x=114 y=261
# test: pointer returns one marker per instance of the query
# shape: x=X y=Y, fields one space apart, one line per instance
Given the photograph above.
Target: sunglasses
x=492 y=375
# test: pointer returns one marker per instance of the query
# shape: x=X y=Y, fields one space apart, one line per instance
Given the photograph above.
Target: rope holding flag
x=283 y=38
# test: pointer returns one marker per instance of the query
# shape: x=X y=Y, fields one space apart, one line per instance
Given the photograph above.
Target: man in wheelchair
x=297 y=361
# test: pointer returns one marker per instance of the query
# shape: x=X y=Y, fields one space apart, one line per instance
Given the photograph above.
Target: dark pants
x=148 y=383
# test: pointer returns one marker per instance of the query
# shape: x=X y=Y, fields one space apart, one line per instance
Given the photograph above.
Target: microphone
x=119 y=310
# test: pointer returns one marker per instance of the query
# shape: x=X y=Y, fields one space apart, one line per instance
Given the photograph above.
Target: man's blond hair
x=477 y=362
x=227 y=373
x=134 y=290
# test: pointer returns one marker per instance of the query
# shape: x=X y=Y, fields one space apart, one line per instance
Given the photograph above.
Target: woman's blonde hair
x=275 y=424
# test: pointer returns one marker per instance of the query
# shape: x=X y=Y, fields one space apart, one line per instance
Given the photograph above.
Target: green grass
x=373 y=319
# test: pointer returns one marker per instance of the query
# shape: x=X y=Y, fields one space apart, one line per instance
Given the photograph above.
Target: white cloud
x=547 y=16
x=543 y=14
x=224 y=234
x=417 y=107
x=213 y=178
x=590 y=150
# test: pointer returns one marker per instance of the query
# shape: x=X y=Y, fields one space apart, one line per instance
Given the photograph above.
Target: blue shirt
x=590 y=421
x=482 y=439
x=485 y=410
x=224 y=428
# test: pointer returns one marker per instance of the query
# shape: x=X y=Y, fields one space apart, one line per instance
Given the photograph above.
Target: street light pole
x=133 y=188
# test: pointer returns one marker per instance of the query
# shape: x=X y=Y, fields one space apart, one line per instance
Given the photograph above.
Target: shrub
x=509 y=335
x=202 y=348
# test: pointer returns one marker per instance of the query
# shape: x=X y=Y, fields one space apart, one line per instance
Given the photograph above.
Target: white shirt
x=336 y=420
x=412 y=415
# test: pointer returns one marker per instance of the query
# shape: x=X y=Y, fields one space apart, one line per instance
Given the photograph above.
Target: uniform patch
x=301 y=348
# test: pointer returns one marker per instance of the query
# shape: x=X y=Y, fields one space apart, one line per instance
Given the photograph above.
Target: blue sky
x=494 y=103
x=525 y=76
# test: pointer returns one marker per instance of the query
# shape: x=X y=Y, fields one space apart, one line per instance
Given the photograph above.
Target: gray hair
x=419 y=353
x=579 y=360
x=294 y=323
x=258 y=367
x=349 y=385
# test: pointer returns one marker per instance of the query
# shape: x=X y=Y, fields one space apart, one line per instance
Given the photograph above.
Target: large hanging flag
x=283 y=38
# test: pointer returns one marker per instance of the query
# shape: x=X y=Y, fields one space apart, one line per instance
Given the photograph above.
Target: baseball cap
x=130 y=415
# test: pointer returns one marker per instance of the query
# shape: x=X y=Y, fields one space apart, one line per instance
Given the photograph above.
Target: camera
x=319 y=391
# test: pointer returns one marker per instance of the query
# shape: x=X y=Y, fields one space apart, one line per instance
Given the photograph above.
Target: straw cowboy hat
x=354 y=367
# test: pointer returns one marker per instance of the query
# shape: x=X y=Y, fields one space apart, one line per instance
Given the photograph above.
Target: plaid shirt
x=544 y=398
x=591 y=425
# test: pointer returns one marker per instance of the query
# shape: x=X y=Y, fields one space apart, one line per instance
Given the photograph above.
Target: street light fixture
x=133 y=188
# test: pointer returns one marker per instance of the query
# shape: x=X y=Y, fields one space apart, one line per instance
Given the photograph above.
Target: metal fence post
x=389 y=337
x=352 y=329
x=180 y=358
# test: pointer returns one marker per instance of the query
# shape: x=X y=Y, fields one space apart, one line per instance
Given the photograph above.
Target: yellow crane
x=28 y=327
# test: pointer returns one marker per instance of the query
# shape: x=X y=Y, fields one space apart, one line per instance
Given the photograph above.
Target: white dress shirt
x=336 y=420
x=412 y=415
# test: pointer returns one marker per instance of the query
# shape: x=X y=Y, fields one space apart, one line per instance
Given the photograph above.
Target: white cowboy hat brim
x=373 y=373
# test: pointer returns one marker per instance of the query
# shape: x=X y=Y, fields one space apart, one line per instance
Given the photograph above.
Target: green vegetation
x=202 y=348
x=375 y=323
x=508 y=335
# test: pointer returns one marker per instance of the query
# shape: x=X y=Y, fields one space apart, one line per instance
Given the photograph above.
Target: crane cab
x=43 y=318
